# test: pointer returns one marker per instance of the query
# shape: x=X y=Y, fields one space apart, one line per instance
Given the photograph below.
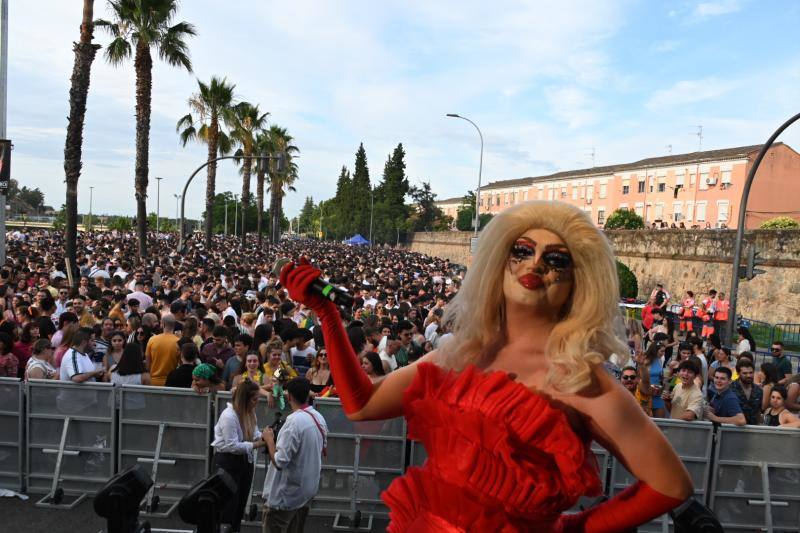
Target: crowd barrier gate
x=167 y=430
x=757 y=487
x=265 y=416
x=71 y=439
x=11 y=434
x=363 y=459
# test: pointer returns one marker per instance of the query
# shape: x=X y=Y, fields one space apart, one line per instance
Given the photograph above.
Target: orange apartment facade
x=702 y=189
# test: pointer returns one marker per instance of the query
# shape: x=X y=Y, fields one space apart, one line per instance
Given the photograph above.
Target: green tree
x=165 y=224
x=429 y=217
x=138 y=28
x=210 y=108
x=624 y=219
x=85 y=51
x=119 y=223
x=246 y=121
x=628 y=285
x=780 y=223
x=341 y=219
x=361 y=190
x=306 y=220
x=391 y=211
x=465 y=214
x=61 y=218
x=280 y=181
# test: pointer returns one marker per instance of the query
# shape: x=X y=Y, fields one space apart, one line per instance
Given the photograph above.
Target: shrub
x=628 y=285
x=624 y=219
x=780 y=223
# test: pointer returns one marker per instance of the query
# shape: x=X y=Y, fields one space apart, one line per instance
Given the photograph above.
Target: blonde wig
x=585 y=335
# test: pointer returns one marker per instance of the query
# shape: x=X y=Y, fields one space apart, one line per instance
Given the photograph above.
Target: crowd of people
x=680 y=368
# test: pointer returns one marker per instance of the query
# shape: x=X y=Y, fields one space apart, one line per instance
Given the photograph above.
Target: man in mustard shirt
x=162 y=354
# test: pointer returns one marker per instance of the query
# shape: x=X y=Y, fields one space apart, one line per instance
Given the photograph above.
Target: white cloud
x=666 y=46
x=688 y=92
x=572 y=106
x=720 y=7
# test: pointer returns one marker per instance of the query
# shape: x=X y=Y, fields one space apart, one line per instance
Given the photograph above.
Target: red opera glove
x=352 y=383
x=636 y=505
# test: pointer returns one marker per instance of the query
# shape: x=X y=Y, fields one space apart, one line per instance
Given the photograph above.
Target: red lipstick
x=531 y=281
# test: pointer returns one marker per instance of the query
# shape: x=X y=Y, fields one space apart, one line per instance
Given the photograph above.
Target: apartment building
x=697 y=189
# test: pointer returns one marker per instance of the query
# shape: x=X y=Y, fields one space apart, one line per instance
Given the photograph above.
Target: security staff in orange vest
x=721 y=315
x=707 y=308
x=688 y=312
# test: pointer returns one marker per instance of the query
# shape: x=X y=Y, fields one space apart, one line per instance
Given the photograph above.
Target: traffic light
x=752 y=262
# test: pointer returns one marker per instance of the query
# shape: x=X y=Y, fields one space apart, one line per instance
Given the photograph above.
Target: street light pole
x=235 y=214
x=371 y=210
x=91 y=192
x=480 y=171
x=158 y=205
x=226 y=217
x=177 y=210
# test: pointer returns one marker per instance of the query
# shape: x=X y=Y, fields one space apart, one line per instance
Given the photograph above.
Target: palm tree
x=212 y=104
x=280 y=182
x=145 y=25
x=246 y=121
x=84 y=56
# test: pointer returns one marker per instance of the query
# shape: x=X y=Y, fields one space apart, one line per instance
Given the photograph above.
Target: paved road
x=19 y=516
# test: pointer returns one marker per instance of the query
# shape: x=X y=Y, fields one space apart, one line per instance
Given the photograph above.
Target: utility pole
x=226 y=217
x=3 y=117
x=235 y=214
x=158 y=205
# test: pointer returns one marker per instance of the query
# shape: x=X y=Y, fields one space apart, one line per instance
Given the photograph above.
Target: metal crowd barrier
x=71 y=439
x=11 y=434
x=363 y=459
x=756 y=481
x=168 y=431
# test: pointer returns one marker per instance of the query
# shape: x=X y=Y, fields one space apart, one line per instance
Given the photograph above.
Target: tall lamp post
x=91 y=193
x=158 y=205
x=480 y=170
x=235 y=213
x=371 y=210
x=177 y=210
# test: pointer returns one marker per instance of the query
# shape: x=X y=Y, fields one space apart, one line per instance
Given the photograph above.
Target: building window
x=700 y=211
x=692 y=179
x=639 y=209
x=689 y=211
x=723 y=208
x=659 y=211
x=497 y=200
x=601 y=216
x=626 y=189
x=641 y=186
x=574 y=192
x=563 y=192
x=677 y=208
x=603 y=190
x=662 y=187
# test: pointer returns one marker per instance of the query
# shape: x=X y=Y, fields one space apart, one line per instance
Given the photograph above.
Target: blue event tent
x=356 y=239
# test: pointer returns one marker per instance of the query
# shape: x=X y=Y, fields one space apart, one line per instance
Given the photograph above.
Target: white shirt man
x=77 y=367
x=295 y=465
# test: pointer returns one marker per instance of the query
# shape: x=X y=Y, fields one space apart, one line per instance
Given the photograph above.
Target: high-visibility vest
x=688 y=305
x=722 y=310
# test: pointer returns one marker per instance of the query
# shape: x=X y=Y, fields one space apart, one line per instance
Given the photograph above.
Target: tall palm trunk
x=211 y=177
x=259 y=199
x=274 y=210
x=79 y=90
x=144 y=88
x=246 y=168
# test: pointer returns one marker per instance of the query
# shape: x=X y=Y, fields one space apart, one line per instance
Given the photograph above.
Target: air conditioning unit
x=711 y=181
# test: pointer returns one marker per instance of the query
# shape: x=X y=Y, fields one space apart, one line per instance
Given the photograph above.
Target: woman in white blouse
x=236 y=439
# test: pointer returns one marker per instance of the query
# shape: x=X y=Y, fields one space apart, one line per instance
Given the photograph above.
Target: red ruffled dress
x=500 y=457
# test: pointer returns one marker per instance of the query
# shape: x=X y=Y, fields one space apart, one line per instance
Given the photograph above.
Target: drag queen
x=508 y=408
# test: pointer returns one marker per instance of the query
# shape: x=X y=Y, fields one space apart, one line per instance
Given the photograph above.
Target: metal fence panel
x=756 y=478
x=90 y=438
x=181 y=418
x=376 y=448
x=11 y=434
x=789 y=334
x=692 y=442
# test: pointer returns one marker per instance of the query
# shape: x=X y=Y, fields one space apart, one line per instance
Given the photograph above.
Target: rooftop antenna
x=592 y=153
x=669 y=149
x=699 y=138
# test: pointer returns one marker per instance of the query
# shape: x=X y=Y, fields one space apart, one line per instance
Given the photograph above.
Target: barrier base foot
x=346 y=523
x=48 y=502
x=155 y=514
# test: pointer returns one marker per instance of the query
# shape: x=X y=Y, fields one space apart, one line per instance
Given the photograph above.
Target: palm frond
x=172 y=47
x=107 y=26
x=185 y=121
x=118 y=50
x=225 y=145
x=189 y=134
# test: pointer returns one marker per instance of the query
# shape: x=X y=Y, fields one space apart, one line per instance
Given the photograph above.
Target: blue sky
x=545 y=81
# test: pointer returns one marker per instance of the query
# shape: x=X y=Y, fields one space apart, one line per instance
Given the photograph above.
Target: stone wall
x=686 y=260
